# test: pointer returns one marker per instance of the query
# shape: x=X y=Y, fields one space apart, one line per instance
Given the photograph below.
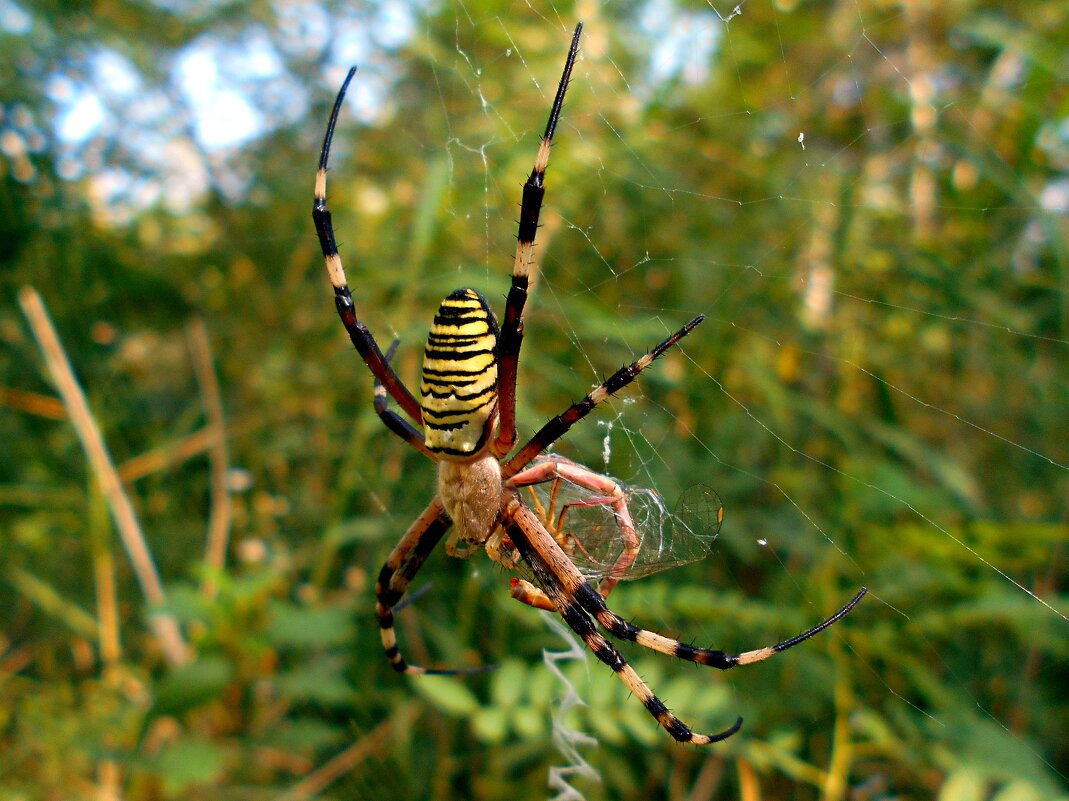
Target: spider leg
x=394 y=421
x=501 y=550
x=535 y=544
x=559 y=425
x=527 y=593
x=610 y=494
x=508 y=347
x=593 y=603
x=365 y=343
x=401 y=566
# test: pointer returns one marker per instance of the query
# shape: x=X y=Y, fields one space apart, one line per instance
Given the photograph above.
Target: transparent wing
x=590 y=533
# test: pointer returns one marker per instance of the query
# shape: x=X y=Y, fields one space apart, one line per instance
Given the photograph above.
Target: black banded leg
x=397 y=573
x=361 y=338
x=559 y=425
x=394 y=421
x=508 y=349
x=594 y=604
x=579 y=622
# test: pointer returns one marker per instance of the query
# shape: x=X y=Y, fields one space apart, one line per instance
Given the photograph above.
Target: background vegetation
x=879 y=395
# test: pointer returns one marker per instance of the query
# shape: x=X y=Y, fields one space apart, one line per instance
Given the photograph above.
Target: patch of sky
x=82 y=111
x=222 y=114
x=366 y=43
x=14 y=19
x=682 y=43
x=225 y=90
x=304 y=28
x=193 y=9
x=115 y=73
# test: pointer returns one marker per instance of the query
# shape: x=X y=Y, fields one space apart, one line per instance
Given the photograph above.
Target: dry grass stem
x=107 y=608
x=109 y=778
x=104 y=585
x=220 y=515
x=122 y=510
x=46 y=598
x=164 y=456
x=749 y=786
x=32 y=402
x=12 y=662
x=345 y=762
x=707 y=780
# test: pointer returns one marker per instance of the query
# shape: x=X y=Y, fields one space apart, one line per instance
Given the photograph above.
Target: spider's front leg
x=523 y=266
x=359 y=334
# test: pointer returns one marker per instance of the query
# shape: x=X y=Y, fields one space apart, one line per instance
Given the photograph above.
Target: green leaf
x=309 y=627
x=189 y=762
x=1019 y=791
x=963 y=785
x=448 y=694
x=191 y=685
x=507 y=682
x=490 y=724
x=317 y=683
x=529 y=722
x=993 y=752
x=605 y=725
x=306 y=735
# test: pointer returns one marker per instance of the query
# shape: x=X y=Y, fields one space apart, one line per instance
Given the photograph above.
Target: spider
x=467 y=410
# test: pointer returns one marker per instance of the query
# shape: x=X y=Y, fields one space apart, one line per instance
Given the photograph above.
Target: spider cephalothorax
x=467 y=409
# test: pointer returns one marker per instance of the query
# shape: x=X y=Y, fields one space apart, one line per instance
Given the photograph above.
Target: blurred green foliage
x=880 y=391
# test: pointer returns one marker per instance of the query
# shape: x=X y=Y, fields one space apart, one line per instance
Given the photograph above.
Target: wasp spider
x=467 y=410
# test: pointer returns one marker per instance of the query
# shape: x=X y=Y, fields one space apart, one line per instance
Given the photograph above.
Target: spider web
x=885 y=354
x=874 y=322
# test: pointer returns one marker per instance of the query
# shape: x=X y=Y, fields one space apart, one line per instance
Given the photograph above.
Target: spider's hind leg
x=594 y=604
x=551 y=568
x=401 y=566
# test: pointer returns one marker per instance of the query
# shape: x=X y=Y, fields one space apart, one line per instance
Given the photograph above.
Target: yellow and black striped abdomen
x=458 y=393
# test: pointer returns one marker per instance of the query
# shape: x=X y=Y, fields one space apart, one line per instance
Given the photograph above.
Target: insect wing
x=685 y=535
x=696 y=523
x=587 y=527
